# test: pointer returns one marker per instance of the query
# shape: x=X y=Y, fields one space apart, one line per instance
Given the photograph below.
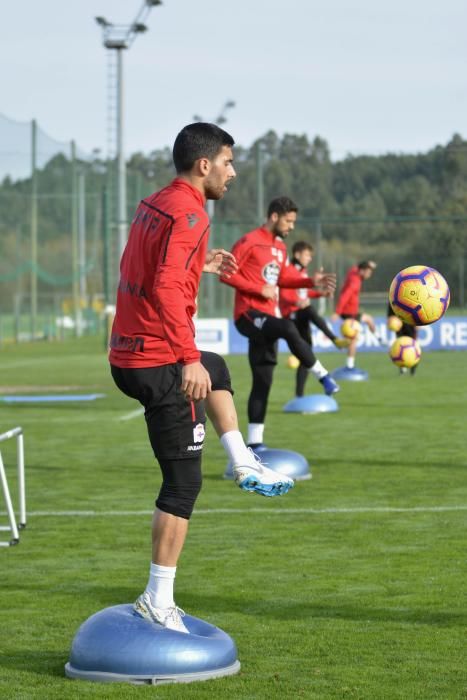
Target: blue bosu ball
x=315 y=403
x=118 y=645
x=351 y=375
x=287 y=462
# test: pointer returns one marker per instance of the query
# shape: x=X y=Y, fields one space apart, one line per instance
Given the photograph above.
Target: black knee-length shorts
x=176 y=427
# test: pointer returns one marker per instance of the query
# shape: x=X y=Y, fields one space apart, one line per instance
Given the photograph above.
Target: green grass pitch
x=351 y=586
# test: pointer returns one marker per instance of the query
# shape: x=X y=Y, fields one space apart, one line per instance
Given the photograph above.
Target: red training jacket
x=349 y=298
x=289 y=298
x=160 y=271
x=262 y=259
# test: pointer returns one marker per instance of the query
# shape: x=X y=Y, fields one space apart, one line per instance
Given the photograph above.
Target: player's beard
x=214 y=189
x=213 y=192
x=277 y=232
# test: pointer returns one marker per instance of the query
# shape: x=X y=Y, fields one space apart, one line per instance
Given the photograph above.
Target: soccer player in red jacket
x=348 y=304
x=296 y=305
x=154 y=357
x=262 y=269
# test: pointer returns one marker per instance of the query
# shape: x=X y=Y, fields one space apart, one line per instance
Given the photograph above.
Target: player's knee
x=290 y=330
x=218 y=371
x=182 y=481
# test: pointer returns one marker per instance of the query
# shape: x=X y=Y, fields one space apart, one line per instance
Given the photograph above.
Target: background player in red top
x=296 y=305
x=348 y=303
x=262 y=269
x=154 y=357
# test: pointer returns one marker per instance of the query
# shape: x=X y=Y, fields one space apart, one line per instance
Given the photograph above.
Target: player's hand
x=269 y=291
x=303 y=303
x=196 y=382
x=220 y=262
x=335 y=317
x=326 y=280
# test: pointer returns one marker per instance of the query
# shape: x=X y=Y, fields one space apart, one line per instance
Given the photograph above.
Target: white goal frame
x=13 y=527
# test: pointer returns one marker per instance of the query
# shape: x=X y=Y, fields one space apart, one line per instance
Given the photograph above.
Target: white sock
x=234 y=444
x=255 y=433
x=351 y=362
x=318 y=370
x=161 y=585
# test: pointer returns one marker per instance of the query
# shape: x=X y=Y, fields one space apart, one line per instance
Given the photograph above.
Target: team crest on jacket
x=192 y=219
x=271 y=272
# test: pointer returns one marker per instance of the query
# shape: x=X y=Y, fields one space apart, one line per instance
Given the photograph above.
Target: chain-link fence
x=59 y=252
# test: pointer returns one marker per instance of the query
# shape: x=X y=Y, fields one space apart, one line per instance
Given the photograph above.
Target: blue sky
x=369 y=77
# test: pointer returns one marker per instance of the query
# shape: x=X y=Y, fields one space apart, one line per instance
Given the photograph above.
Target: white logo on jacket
x=271 y=272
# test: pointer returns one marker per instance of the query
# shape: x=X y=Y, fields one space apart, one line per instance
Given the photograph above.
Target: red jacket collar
x=184 y=185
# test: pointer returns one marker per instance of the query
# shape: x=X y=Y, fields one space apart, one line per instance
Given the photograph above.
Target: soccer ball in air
x=350 y=328
x=293 y=362
x=405 y=352
x=394 y=323
x=419 y=295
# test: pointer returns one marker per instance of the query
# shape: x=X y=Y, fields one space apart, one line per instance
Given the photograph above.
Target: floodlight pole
x=121 y=168
x=117 y=38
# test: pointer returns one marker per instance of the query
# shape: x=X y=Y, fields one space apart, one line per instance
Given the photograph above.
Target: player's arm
x=241 y=252
x=169 y=289
x=290 y=277
x=315 y=293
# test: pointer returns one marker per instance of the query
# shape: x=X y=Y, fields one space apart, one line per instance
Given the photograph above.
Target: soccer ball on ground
x=394 y=323
x=293 y=362
x=350 y=328
x=419 y=295
x=405 y=352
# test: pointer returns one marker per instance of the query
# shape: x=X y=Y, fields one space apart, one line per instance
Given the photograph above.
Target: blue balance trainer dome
x=351 y=375
x=287 y=462
x=315 y=403
x=117 y=645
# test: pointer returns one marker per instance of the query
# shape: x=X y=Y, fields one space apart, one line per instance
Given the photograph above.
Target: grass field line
x=132 y=414
x=256 y=511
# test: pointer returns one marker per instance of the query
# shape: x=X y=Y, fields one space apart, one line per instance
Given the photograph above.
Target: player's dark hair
x=300 y=246
x=281 y=206
x=198 y=140
x=367 y=265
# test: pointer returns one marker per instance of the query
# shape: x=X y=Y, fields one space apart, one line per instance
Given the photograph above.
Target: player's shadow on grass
x=298 y=610
x=271 y=608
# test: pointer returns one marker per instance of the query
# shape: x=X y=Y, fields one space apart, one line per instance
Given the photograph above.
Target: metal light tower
x=118 y=37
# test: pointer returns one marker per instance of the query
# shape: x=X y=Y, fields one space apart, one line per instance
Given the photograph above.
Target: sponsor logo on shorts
x=198 y=433
x=259 y=322
x=194 y=448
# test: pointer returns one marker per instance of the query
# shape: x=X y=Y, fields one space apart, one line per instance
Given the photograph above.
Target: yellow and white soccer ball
x=405 y=352
x=351 y=328
x=419 y=295
x=394 y=323
x=293 y=362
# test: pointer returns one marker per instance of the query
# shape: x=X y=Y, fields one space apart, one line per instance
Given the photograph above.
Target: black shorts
x=357 y=317
x=262 y=350
x=302 y=321
x=176 y=427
